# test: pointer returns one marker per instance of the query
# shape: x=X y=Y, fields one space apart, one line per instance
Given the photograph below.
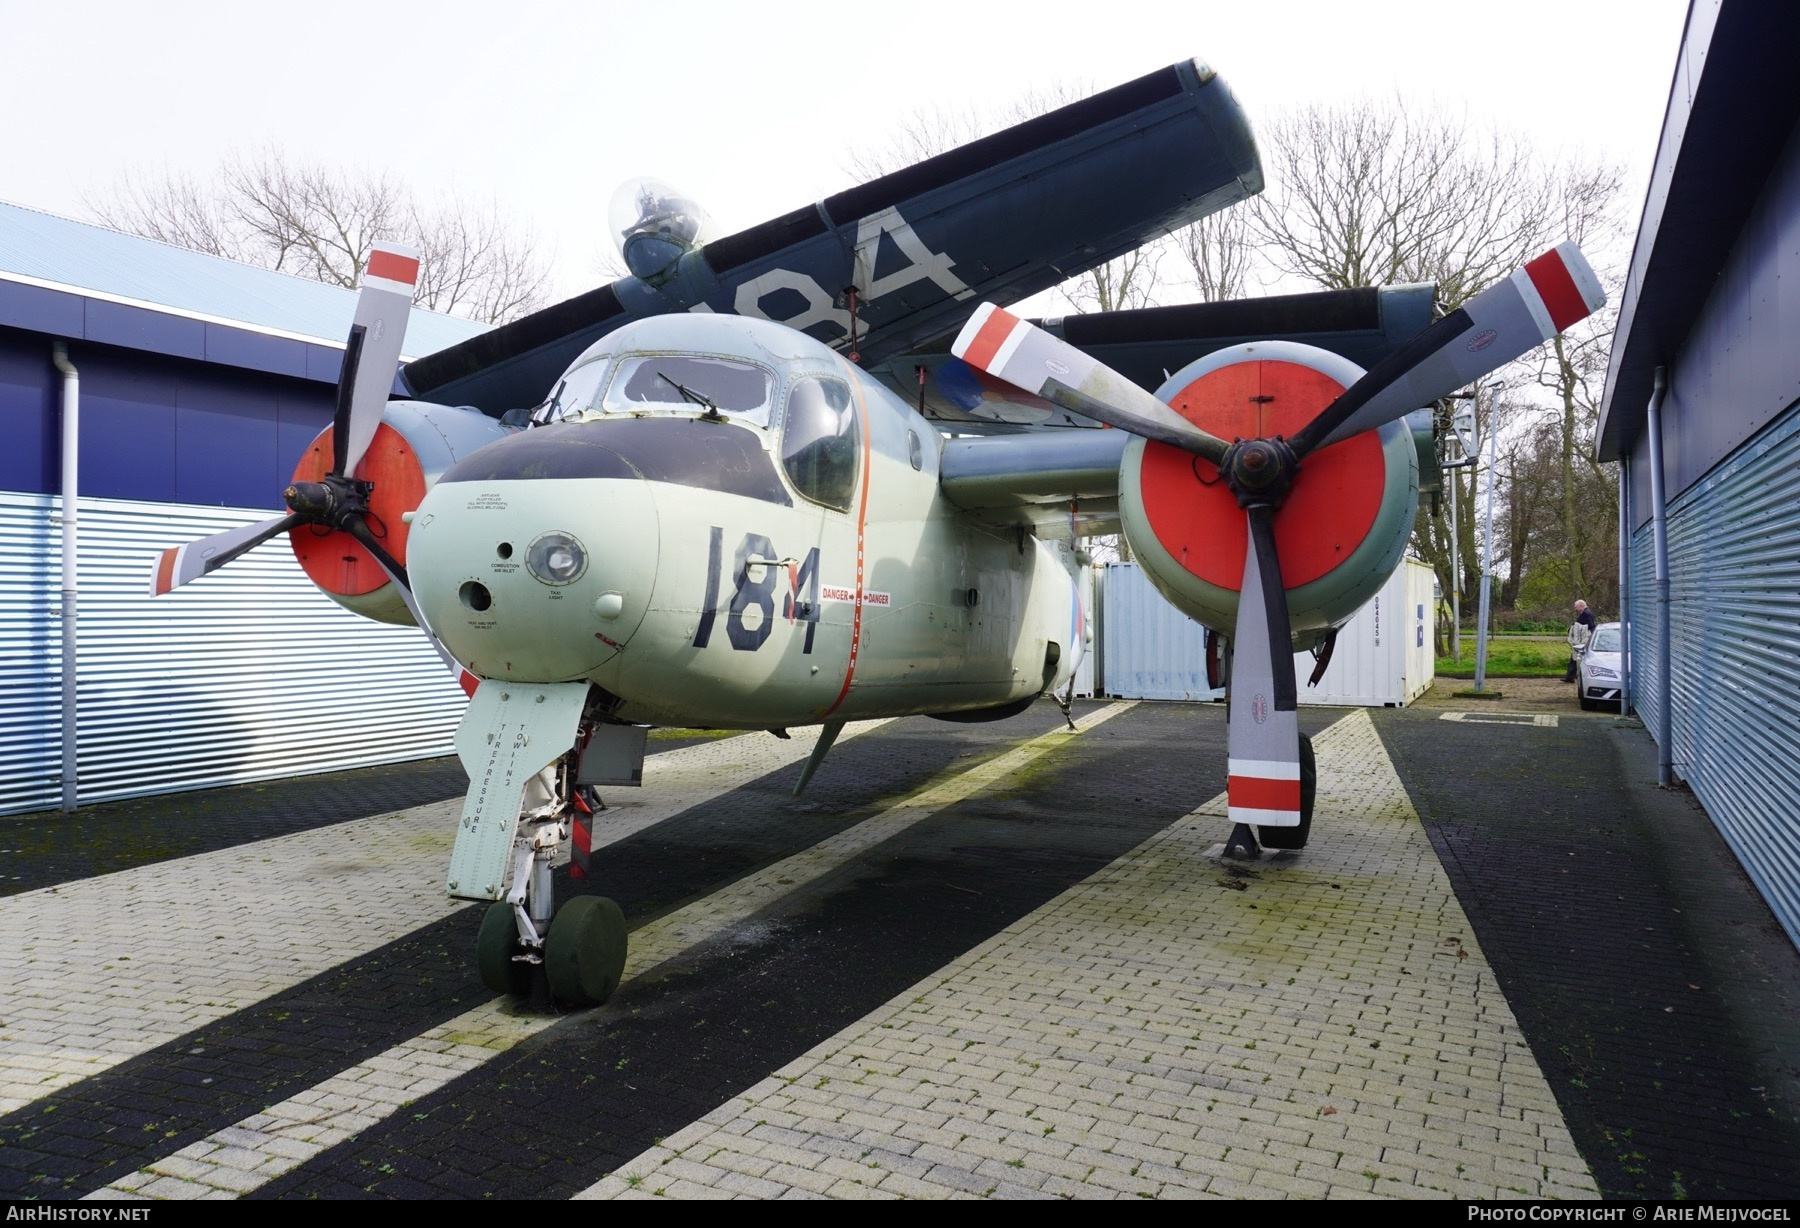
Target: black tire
x=1296 y=837
x=495 y=947
x=1587 y=705
x=584 y=955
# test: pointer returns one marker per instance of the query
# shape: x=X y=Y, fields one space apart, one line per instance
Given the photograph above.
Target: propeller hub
x=1259 y=471
x=331 y=502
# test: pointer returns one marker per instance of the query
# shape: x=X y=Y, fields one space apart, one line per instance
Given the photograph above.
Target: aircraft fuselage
x=737 y=569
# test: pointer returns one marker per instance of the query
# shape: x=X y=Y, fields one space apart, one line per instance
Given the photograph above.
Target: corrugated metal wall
x=1150 y=650
x=30 y=652
x=250 y=674
x=1734 y=569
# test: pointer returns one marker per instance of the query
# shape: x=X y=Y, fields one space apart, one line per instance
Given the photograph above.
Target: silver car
x=1598 y=679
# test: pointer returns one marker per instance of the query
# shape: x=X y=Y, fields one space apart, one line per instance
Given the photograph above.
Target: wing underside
x=1060 y=485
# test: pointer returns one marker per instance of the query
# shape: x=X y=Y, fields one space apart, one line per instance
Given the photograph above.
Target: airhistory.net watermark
x=52 y=1213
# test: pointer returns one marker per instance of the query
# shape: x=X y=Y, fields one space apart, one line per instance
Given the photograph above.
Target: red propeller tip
x=391 y=263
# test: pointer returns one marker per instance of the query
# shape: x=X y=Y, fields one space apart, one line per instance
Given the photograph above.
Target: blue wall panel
x=45 y=311
x=1739 y=368
x=324 y=363
x=237 y=347
x=305 y=410
x=28 y=417
x=225 y=440
x=155 y=428
x=127 y=424
x=138 y=328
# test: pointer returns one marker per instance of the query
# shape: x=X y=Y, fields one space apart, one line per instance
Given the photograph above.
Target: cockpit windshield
x=574 y=392
x=687 y=381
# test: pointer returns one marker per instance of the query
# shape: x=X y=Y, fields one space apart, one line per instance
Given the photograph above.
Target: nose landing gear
x=576 y=954
x=515 y=830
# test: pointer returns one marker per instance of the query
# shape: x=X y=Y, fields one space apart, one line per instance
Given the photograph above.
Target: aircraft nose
x=535 y=580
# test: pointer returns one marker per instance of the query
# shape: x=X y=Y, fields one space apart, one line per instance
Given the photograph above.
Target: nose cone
x=536 y=580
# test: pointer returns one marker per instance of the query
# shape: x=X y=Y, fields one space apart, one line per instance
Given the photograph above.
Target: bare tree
x=317 y=222
x=1368 y=194
x=1574 y=371
x=1218 y=253
x=1123 y=283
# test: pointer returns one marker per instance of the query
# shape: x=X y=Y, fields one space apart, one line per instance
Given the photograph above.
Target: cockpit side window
x=574 y=392
x=689 y=381
x=818 y=441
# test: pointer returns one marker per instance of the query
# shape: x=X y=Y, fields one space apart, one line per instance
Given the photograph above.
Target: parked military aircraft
x=650 y=506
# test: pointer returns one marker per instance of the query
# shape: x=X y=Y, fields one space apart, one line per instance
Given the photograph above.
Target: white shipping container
x=1383 y=658
x=1148 y=648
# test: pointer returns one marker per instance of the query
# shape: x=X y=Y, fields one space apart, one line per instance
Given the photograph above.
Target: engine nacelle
x=1342 y=529
x=415 y=442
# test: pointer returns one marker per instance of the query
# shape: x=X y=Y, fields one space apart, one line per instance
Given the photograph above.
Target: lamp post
x=1462 y=423
x=1487 y=538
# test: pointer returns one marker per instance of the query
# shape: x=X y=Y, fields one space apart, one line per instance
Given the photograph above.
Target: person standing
x=1580 y=631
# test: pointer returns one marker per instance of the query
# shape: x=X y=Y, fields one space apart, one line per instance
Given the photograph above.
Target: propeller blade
x=383 y=309
x=1263 y=781
x=179 y=564
x=397 y=574
x=1507 y=319
x=1022 y=354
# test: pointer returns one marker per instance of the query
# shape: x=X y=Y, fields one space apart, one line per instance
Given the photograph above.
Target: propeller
x=341 y=500
x=1510 y=317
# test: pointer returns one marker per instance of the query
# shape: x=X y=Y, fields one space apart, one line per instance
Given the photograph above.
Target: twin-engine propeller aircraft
x=734 y=504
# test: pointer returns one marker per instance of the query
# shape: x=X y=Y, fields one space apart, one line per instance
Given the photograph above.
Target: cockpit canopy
x=655 y=225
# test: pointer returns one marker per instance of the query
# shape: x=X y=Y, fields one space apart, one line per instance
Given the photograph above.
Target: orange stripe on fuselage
x=862 y=518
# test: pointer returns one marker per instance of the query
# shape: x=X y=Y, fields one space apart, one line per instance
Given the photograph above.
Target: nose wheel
x=584 y=954
x=580 y=950
x=499 y=953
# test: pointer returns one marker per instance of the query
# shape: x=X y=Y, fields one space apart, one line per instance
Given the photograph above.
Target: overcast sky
x=753 y=109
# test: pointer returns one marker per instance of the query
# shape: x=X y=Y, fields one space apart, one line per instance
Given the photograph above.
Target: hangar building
x=1704 y=385
x=198 y=383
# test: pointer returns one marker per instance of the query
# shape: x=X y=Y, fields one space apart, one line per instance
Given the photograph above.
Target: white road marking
x=97 y=971
x=263 y=1146
x=1332 y=1029
x=1540 y=719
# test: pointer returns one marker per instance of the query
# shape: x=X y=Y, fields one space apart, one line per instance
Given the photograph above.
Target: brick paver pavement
x=281 y=1137
x=96 y=971
x=1314 y=1025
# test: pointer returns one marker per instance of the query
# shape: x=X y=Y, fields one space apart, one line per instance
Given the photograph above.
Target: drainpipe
x=1659 y=535
x=71 y=457
x=1625 y=591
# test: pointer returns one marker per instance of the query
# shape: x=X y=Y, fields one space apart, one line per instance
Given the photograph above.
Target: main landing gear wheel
x=584 y=954
x=495 y=947
x=1295 y=837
